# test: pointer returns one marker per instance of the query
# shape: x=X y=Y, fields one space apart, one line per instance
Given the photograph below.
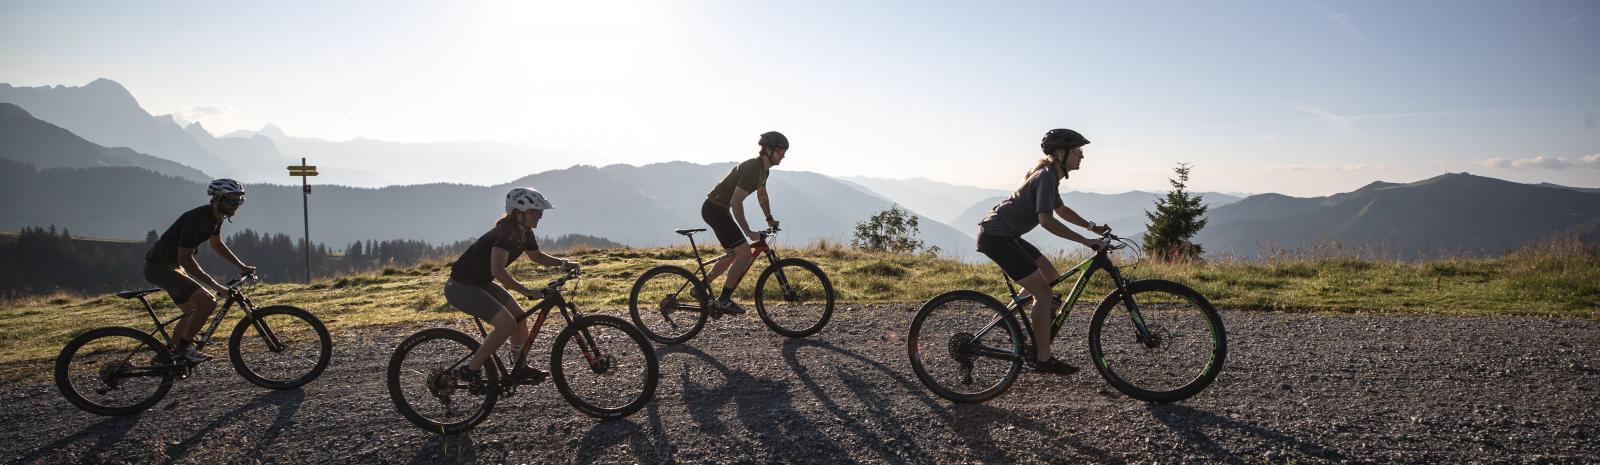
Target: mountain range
x=91 y=159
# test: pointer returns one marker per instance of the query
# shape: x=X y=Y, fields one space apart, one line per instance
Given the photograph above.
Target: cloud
x=1542 y=162
x=1346 y=24
x=1339 y=122
x=1347 y=123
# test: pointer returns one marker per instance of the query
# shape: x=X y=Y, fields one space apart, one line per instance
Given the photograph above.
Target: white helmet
x=523 y=198
x=224 y=186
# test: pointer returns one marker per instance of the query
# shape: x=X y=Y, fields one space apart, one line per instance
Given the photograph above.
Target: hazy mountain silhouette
x=1451 y=213
x=1124 y=212
x=637 y=206
x=941 y=201
x=40 y=144
x=400 y=163
x=1592 y=190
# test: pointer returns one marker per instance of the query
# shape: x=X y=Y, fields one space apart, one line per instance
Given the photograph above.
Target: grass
x=1558 y=279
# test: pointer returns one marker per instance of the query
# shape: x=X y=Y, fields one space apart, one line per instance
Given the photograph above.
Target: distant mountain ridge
x=26 y=139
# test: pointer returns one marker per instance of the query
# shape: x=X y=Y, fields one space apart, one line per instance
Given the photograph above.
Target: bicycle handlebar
x=244 y=279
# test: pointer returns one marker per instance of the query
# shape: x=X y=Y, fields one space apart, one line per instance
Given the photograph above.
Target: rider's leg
x=718 y=268
x=505 y=326
x=741 y=262
x=486 y=303
x=199 y=307
x=1040 y=315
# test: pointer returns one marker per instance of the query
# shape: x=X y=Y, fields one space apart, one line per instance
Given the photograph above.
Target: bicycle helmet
x=523 y=198
x=224 y=186
x=1061 y=139
x=774 y=140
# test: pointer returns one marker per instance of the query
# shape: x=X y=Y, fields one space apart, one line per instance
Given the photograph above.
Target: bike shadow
x=106 y=433
x=763 y=407
x=1191 y=425
x=447 y=449
x=286 y=401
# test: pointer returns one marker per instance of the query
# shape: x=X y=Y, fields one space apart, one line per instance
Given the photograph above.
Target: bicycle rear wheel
x=965 y=347
x=425 y=389
x=114 y=371
x=1183 y=353
x=794 y=297
x=668 y=304
x=280 y=347
x=604 y=367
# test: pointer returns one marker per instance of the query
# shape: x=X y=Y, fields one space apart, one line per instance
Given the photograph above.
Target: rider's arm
x=738 y=209
x=191 y=267
x=766 y=207
x=1049 y=222
x=227 y=254
x=546 y=260
x=497 y=267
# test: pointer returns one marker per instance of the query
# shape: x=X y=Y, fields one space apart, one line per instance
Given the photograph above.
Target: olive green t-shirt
x=750 y=175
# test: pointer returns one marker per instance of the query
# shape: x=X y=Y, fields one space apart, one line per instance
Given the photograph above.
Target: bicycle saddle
x=688 y=232
x=136 y=294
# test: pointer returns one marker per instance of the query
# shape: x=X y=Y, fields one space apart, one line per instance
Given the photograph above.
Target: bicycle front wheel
x=965 y=347
x=280 y=347
x=1180 y=353
x=424 y=386
x=669 y=304
x=794 y=297
x=114 y=371
x=604 y=367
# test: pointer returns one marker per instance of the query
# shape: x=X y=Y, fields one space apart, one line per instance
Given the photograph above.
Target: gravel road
x=1297 y=388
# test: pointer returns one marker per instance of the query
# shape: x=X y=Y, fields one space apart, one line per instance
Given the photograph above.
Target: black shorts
x=169 y=278
x=720 y=219
x=1016 y=257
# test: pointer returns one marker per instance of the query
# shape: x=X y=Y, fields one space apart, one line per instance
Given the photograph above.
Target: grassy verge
x=1558 y=279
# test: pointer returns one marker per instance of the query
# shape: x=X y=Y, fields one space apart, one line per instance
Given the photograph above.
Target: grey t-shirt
x=1019 y=213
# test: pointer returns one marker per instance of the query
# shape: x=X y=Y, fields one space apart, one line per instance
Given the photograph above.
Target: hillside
x=29 y=140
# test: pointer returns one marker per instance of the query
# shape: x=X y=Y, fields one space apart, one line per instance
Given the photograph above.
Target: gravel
x=1297 y=388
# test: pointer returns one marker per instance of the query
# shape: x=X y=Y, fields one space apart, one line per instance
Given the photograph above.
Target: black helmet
x=774 y=140
x=1061 y=139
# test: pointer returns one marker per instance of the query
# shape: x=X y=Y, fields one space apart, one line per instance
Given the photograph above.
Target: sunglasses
x=233 y=202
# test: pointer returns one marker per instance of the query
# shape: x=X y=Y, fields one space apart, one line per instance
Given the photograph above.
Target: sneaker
x=192 y=356
x=474 y=378
x=1054 y=365
x=729 y=307
x=528 y=375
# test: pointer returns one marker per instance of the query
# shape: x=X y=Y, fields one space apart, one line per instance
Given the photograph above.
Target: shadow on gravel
x=452 y=449
x=979 y=425
x=606 y=434
x=1192 y=426
x=106 y=433
x=764 y=407
x=287 y=403
x=894 y=444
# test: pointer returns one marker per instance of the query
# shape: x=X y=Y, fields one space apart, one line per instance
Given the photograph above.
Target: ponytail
x=509 y=223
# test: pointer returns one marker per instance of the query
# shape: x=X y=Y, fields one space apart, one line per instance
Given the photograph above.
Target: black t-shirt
x=193 y=228
x=473 y=266
x=1019 y=213
x=749 y=175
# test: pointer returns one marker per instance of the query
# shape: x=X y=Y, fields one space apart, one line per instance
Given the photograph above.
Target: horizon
x=1341 y=97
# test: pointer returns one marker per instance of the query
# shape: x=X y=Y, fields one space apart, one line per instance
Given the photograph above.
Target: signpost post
x=304 y=170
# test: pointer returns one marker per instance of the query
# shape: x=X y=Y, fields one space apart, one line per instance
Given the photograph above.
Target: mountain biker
x=1037 y=203
x=176 y=249
x=472 y=288
x=723 y=210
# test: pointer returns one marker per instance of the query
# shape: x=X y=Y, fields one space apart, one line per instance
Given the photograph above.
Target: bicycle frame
x=569 y=312
x=759 y=247
x=234 y=296
x=1084 y=271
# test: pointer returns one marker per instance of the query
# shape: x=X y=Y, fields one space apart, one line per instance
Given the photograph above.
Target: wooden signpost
x=303 y=171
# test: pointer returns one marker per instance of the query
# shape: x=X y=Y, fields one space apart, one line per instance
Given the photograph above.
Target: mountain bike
x=120 y=370
x=601 y=365
x=670 y=304
x=1153 y=340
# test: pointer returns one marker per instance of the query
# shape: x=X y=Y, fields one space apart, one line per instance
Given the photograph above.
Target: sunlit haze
x=1302 y=98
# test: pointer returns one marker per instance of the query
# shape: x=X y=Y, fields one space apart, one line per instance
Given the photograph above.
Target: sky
x=1301 y=98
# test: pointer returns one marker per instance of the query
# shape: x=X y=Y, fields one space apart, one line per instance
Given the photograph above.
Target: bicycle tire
x=491 y=379
x=585 y=327
x=958 y=344
x=324 y=346
x=666 y=331
x=1216 y=356
x=809 y=325
x=161 y=359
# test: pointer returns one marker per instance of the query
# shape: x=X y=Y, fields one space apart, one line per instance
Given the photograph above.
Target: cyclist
x=723 y=210
x=472 y=288
x=170 y=264
x=1037 y=203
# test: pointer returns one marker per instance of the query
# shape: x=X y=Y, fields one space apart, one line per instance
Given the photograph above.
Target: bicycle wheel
x=280 y=347
x=965 y=347
x=604 y=367
x=114 y=371
x=424 y=387
x=794 y=297
x=664 y=306
x=1183 y=354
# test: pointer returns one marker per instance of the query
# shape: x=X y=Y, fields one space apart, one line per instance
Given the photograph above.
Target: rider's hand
x=247 y=269
x=754 y=236
x=1096 y=244
x=571 y=265
x=1101 y=229
x=772 y=223
x=534 y=294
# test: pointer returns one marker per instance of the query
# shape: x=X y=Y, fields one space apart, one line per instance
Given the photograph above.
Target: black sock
x=180 y=345
x=727 y=294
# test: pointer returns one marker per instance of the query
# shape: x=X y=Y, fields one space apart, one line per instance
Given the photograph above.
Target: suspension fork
x=1129 y=301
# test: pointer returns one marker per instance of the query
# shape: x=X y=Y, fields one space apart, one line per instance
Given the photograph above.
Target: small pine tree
x=894 y=230
x=151 y=237
x=1178 y=217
